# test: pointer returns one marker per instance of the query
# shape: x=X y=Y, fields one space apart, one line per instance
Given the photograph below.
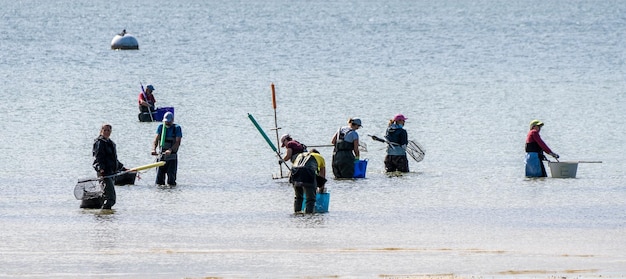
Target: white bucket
x=563 y=169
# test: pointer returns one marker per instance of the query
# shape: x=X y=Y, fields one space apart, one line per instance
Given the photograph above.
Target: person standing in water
x=307 y=174
x=146 y=102
x=346 y=151
x=106 y=165
x=292 y=146
x=534 y=151
x=397 y=139
x=173 y=135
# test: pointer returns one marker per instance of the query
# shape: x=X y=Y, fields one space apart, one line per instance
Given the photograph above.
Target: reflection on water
x=309 y=221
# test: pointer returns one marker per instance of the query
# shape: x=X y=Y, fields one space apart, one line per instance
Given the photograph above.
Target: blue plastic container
x=321 y=202
x=360 y=167
x=158 y=114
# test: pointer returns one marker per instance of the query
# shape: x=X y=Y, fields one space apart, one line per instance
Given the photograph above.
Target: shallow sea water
x=469 y=76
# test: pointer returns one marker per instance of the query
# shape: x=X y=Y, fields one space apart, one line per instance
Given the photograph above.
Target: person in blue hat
x=168 y=150
x=346 y=151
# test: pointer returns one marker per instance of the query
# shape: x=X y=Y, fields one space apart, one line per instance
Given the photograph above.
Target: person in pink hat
x=397 y=139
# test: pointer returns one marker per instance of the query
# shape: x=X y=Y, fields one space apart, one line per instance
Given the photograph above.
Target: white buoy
x=124 y=41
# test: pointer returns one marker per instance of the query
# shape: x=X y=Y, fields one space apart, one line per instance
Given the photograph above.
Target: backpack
x=304 y=169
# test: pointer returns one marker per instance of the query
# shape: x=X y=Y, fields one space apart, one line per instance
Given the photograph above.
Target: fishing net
x=415 y=150
x=87 y=189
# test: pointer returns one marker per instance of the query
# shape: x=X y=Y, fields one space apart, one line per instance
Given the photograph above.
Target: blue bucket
x=360 y=167
x=321 y=202
x=158 y=114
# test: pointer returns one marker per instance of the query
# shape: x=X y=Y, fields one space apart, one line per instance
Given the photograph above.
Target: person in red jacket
x=535 y=147
x=146 y=100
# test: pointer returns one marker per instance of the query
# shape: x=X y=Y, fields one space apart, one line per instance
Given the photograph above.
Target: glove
x=556 y=156
x=281 y=161
x=377 y=139
x=356 y=159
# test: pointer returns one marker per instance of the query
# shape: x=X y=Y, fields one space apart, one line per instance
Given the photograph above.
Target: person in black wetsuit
x=106 y=164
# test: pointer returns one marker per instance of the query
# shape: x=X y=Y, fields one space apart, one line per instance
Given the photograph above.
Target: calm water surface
x=469 y=76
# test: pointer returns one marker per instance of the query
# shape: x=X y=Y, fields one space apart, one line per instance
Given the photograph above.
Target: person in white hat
x=397 y=139
x=169 y=149
x=534 y=151
x=346 y=152
x=293 y=148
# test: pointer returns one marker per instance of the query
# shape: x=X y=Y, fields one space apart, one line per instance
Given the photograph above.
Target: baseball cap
x=283 y=138
x=150 y=87
x=535 y=123
x=399 y=117
x=168 y=117
x=356 y=121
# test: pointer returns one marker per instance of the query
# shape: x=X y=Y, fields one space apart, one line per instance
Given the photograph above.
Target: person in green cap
x=535 y=147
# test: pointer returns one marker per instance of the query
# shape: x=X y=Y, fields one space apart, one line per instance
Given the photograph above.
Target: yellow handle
x=148 y=166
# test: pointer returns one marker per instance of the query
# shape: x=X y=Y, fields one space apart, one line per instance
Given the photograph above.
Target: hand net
x=415 y=150
x=88 y=189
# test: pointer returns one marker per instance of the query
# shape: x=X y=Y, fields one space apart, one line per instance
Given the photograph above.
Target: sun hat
x=399 y=117
x=150 y=87
x=356 y=121
x=168 y=117
x=535 y=123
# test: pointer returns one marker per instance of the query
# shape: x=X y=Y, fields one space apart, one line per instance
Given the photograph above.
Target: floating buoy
x=124 y=41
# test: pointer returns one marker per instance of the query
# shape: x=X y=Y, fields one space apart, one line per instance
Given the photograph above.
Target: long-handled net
x=362 y=146
x=88 y=188
x=91 y=188
x=414 y=149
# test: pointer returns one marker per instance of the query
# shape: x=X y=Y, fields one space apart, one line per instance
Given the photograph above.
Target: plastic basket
x=160 y=112
x=126 y=178
x=321 y=202
x=360 y=167
x=563 y=169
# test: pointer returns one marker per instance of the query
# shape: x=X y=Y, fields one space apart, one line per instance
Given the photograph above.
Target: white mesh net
x=415 y=150
x=88 y=189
